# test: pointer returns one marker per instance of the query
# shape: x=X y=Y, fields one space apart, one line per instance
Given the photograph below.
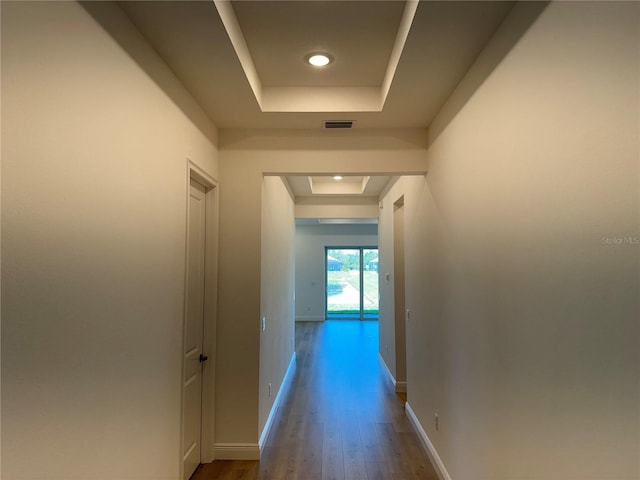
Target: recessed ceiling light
x=337 y=177
x=319 y=59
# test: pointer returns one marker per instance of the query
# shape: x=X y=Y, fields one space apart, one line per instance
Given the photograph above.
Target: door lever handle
x=203 y=358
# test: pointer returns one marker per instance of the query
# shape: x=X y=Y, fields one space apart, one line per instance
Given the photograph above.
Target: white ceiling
x=349 y=185
x=254 y=76
x=360 y=35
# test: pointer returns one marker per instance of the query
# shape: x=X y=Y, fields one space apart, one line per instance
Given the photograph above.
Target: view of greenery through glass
x=346 y=268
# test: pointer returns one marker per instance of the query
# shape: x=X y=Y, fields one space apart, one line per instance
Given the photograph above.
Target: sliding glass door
x=351 y=282
x=370 y=298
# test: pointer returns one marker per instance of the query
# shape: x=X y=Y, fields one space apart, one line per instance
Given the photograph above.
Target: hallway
x=339 y=417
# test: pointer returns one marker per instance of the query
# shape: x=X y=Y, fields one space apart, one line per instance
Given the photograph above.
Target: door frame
x=207 y=438
x=399 y=301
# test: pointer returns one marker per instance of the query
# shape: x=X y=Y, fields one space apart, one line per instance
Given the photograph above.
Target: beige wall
x=524 y=329
x=95 y=137
x=276 y=291
x=337 y=207
x=238 y=349
x=386 y=266
x=245 y=155
x=324 y=152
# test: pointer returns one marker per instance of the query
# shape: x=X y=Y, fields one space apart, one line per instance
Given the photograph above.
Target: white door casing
x=193 y=325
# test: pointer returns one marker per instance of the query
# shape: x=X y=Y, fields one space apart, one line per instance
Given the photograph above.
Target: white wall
x=95 y=136
x=524 y=330
x=276 y=291
x=310 y=241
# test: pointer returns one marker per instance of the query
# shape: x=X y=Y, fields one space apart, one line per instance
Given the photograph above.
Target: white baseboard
x=276 y=403
x=311 y=318
x=237 y=451
x=400 y=387
x=426 y=444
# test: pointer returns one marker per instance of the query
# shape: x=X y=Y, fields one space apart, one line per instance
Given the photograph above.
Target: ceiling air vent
x=338 y=124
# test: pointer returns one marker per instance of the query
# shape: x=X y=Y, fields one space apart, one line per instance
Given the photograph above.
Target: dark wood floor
x=339 y=417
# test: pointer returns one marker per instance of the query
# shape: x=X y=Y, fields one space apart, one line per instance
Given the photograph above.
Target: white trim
x=312 y=318
x=276 y=403
x=239 y=43
x=202 y=176
x=386 y=367
x=399 y=387
x=426 y=444
x=198 y=173
x=398 y=46
x=237 y=451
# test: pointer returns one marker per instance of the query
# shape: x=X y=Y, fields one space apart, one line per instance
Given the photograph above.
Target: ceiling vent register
x=338 y=124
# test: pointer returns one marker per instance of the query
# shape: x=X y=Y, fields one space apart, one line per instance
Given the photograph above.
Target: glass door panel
x=343 y=282
x=370 y=298
x=351 y=282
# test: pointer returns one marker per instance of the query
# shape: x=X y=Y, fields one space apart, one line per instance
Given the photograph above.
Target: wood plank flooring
x=339 y=418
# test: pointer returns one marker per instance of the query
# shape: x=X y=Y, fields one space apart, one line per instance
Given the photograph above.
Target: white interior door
x=194 y=322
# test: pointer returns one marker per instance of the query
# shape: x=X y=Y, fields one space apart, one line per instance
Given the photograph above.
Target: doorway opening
x=351 y=283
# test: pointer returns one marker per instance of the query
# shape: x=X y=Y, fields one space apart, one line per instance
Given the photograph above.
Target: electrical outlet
x=269 y=388
x=436 y=421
